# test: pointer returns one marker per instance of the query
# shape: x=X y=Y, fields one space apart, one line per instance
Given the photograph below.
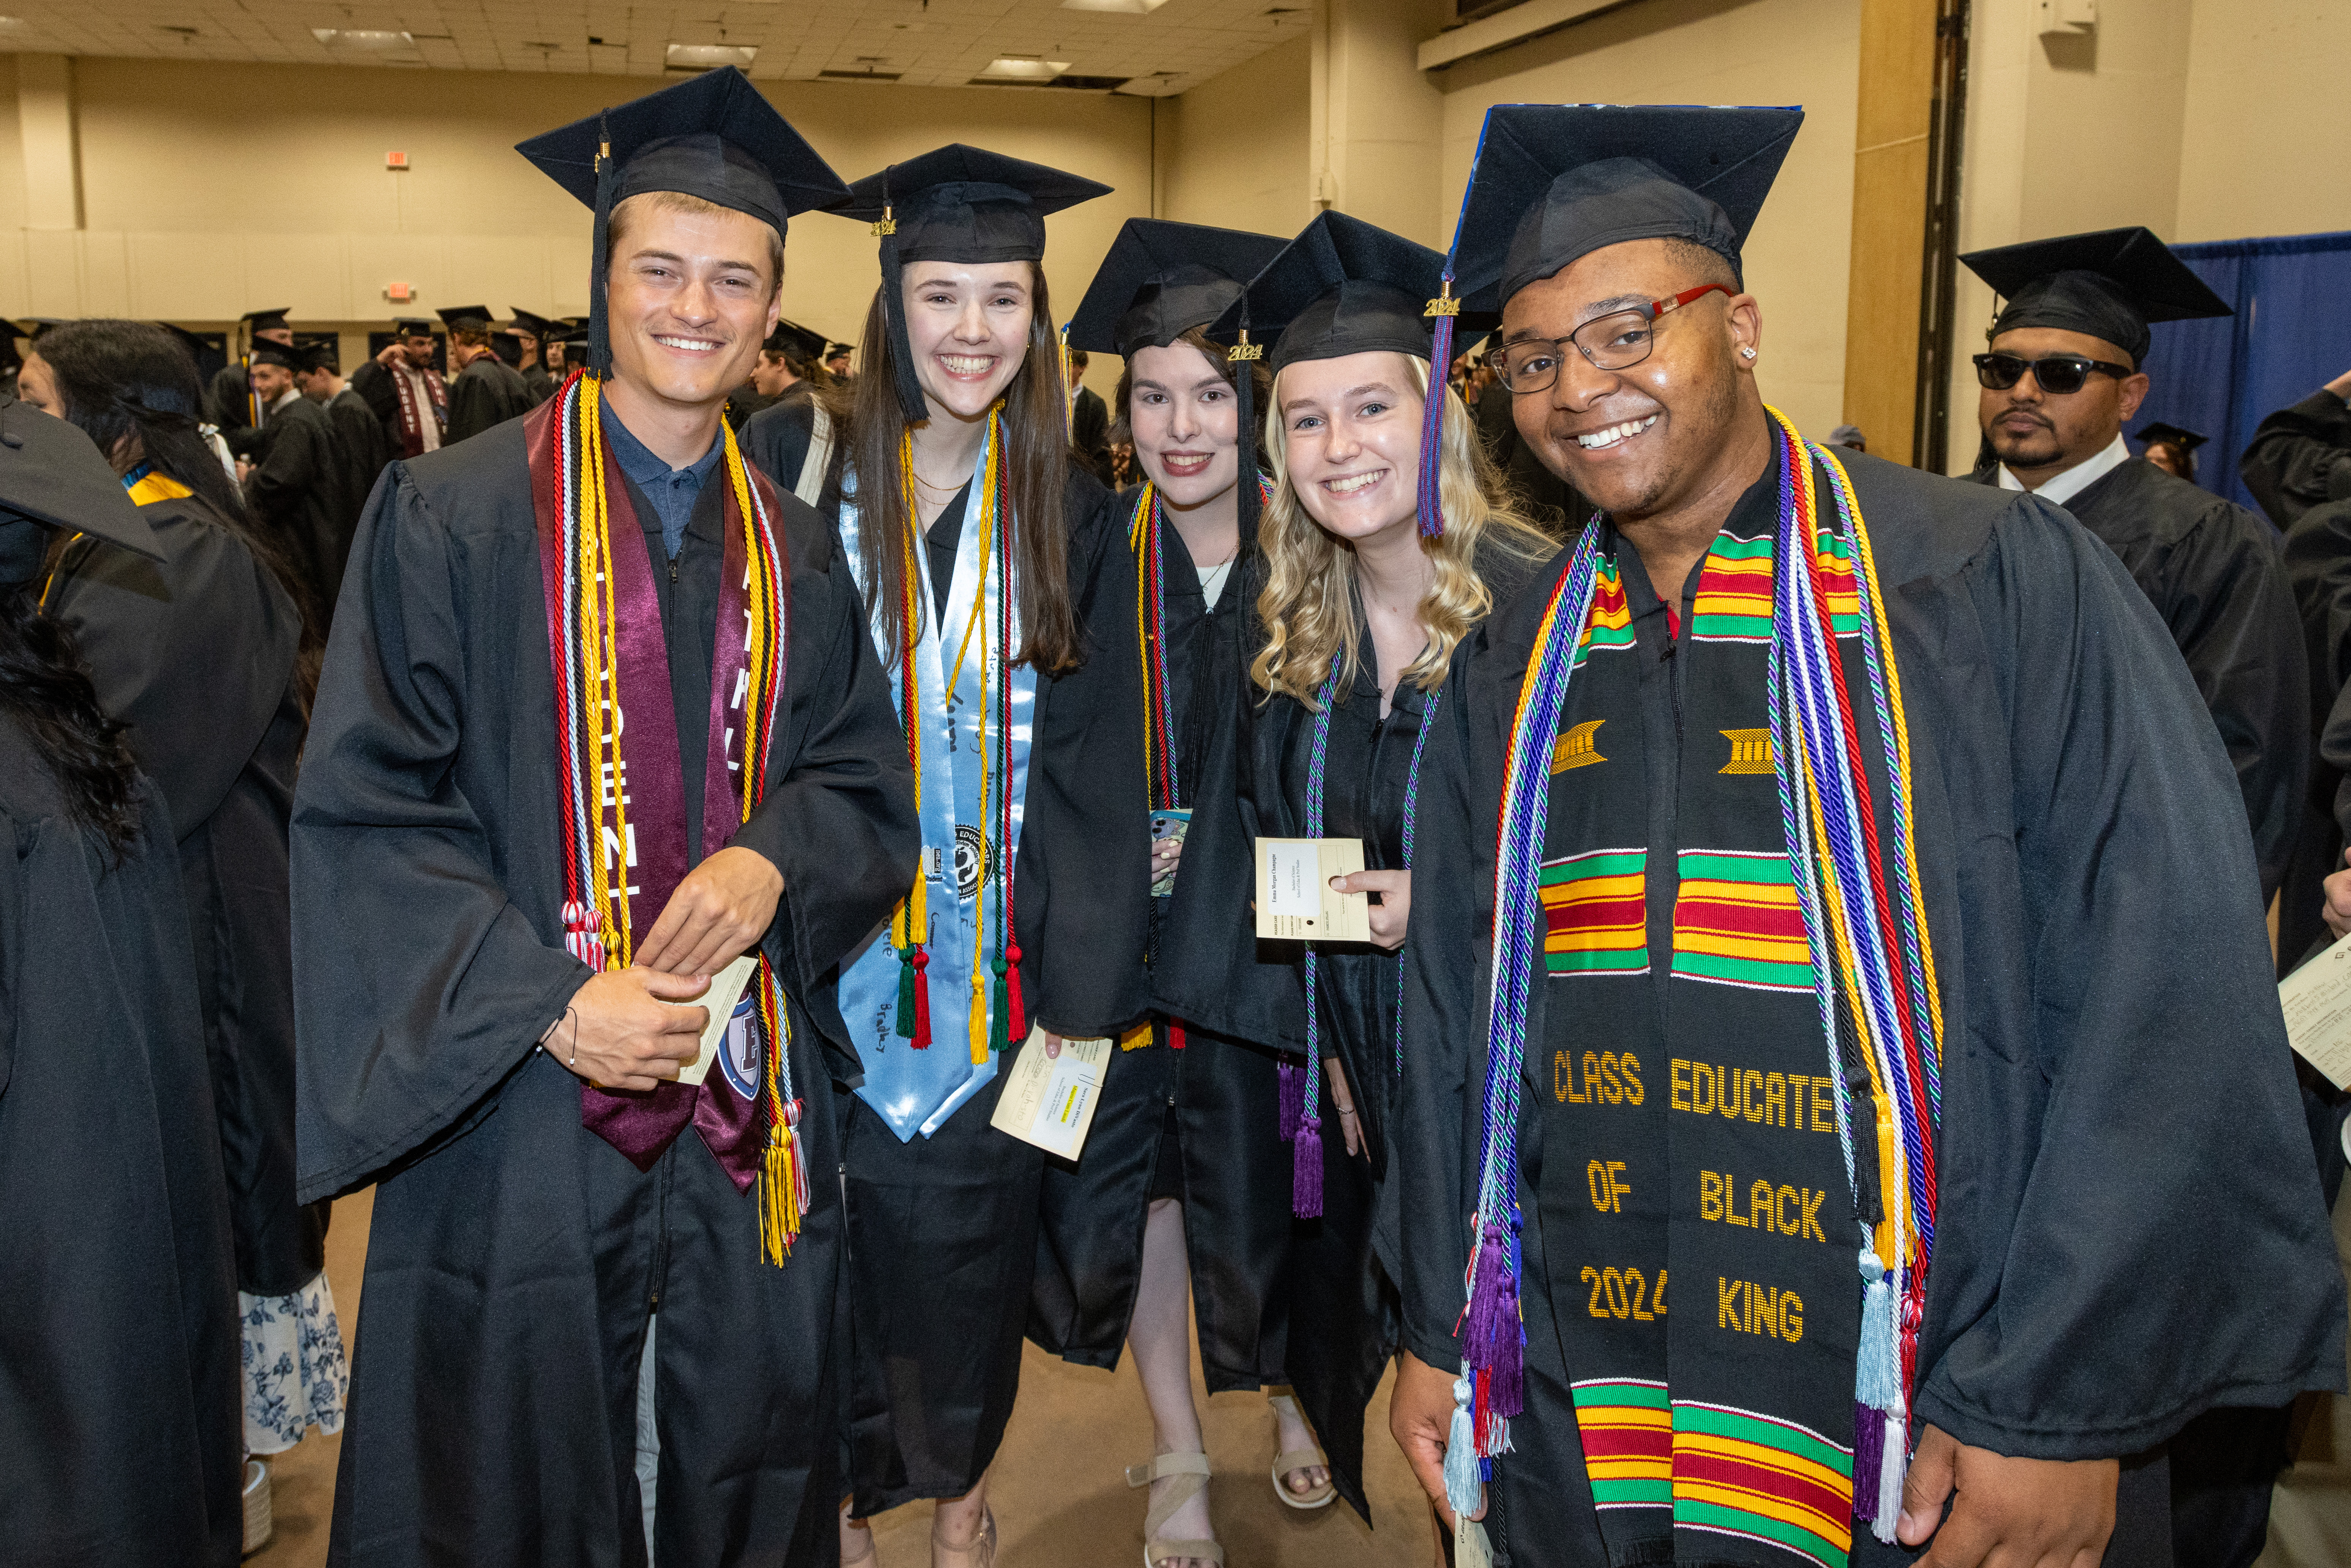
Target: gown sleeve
x=839 y=824
x=2232 y=615
x=776 y=440
x=418 y=983
x=158 y=642
x=2299 y=455
x=1082 y=894
x=2166 y=1175
x=373 y=384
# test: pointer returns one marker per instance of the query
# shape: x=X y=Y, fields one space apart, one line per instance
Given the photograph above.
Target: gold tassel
x=779 y=1216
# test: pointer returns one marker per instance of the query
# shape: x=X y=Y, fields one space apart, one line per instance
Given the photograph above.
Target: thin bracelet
x=573 y=1014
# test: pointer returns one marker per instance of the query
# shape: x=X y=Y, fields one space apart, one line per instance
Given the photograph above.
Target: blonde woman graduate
x=1384 y=548
x=980 y=550
x=1182 y=1187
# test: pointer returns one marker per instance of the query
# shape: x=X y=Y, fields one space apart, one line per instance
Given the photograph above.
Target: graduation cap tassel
x=1017 y=1019
x=599 y=333
x=911 y=402
x=1242 y=356
x=1447 y=310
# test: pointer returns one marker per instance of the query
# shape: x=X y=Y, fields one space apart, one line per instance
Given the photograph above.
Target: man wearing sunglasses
x=1619 y=817
x=2063 y=377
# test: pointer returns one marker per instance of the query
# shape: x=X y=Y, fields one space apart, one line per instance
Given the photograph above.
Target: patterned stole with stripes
x=1697 y=1226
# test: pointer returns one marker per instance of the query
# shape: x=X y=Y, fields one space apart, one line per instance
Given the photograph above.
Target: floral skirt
x=296 y=1375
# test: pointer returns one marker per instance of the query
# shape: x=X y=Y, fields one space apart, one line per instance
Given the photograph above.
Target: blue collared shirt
x=671 y=491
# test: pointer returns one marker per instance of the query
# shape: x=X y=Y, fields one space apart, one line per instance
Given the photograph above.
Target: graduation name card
x=725 y=990
x=1294 y=901
x=1050 y=1101
x=2318 y=1002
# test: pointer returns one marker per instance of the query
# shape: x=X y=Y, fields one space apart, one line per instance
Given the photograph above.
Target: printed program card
x=1294 y=901
x=1050 y=1102
x=2318 y=1002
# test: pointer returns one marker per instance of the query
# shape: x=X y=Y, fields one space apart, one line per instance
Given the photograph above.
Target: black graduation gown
x=2107 y=994
x=121 y=1430
x=943 y=1231
x=776 y=437
x=297 y=491
x=743 y=402
x=1208 y=1110
x=2318 y=569
x=197 y=656
x=2300 y=456
x=514 y=1254
x=2215 y=574
x=486 y=393
x=537 y=386
x=361 y=450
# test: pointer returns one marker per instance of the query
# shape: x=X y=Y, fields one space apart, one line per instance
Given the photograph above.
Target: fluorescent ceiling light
x=1131 y=8
x=372 y=41
x=708 y=56
x=1023 y=70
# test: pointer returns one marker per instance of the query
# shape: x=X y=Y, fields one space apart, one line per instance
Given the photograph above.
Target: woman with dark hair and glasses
x=202 y=656
x=119 y=1410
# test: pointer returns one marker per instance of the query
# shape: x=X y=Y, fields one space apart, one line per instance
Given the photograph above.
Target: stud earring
x=1748 y=353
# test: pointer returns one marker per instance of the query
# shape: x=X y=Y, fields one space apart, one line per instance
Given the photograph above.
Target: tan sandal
x=1299 y=1460
x=1191 y=1471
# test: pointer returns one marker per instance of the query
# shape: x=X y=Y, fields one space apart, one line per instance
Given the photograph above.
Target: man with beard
x=405 y=391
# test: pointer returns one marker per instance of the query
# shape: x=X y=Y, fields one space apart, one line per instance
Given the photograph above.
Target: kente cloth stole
x=622 y=783
x=945 y=968
x=1700 y=1083
x=412 y=414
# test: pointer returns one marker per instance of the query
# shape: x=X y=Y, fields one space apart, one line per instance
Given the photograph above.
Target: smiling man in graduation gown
x=1883 y=1102
x=2062 y=378
x=296 y=487
x=229 y=398
x=600 y=1302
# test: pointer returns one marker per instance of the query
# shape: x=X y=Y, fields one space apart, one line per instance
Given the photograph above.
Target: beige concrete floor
x=1060 y=1490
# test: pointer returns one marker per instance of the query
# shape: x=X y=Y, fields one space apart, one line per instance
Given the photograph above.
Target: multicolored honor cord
x=1864 y=925
x=585 y=640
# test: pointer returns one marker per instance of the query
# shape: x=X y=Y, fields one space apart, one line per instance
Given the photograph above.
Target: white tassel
x=1462 y=1479
x=1892 y=1465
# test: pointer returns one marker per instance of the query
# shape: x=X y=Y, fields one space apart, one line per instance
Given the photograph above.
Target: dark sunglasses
x=2056 y=374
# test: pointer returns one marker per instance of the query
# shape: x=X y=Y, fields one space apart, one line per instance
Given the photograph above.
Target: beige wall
x=1718 y=51
x=209 y=190
x=1234 y=150
x=2199 y=119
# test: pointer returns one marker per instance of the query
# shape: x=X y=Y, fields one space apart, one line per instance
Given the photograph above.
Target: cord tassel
x=1290 y=1100
x=1000 y=1023
x=1462 y=1471
x=918 y=963
x=1306 y=1171
x=1018 y=1024
x=976 y=1025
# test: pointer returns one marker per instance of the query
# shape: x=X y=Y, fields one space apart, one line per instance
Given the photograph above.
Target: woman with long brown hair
x=1387 y=541
x=980 y=549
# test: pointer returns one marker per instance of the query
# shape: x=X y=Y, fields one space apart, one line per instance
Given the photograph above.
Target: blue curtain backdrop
x=2291 y=335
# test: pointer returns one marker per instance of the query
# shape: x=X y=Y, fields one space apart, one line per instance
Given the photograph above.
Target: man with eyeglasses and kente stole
x=2066 y=373
x=1845 y=1109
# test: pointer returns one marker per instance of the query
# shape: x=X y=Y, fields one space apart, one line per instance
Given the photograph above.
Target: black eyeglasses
x=2056 y=374
x=1616 y=342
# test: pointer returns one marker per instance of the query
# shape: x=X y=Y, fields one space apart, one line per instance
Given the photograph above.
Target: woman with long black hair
x=119 y=1412
x=202 y=657
x=980 y=548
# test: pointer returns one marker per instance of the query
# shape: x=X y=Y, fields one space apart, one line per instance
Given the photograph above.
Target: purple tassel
x=1493 y=1336
x=1306 y=1172
x=1294 y=1099
x=1868 y=1455
x=1431 y=503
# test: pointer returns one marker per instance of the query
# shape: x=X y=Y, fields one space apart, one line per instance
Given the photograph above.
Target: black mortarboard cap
x=536 y=326
x=1343 y=287
x=53 y=477
x=834 y=351
x=265 y=352
x=2108 y=285
x=711 y=136
x=1550 y=183
x=193 y=342
x=466 y=315
x=800 y=343
x=1161 y=279
x=321 y=357
x=2171 y=434
x=412 y=326
x=957 y=203
x=267 y=321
